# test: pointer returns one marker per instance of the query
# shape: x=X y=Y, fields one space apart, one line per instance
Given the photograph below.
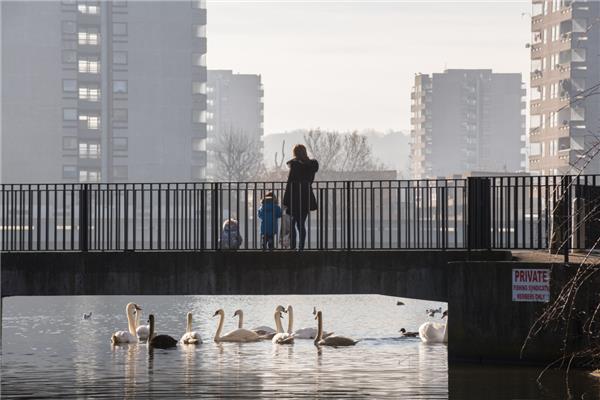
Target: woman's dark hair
x=299 y=152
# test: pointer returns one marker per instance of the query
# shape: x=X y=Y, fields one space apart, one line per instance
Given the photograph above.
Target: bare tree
x=341 y=152
x=238 y=157
x=325 y=147
x=574 y=305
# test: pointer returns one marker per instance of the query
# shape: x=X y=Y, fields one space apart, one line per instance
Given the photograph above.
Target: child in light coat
x=230 y=236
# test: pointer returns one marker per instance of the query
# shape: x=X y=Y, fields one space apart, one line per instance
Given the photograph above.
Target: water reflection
x=37 y=360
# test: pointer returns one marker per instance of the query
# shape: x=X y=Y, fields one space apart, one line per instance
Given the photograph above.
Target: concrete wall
x=485 y=325
x=414 y=274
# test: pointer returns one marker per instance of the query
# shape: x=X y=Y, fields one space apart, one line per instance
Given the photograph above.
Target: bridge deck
x=415 y=274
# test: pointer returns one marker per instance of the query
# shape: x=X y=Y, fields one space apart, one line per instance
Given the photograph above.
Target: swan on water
x=434 y=332
x=282 y=337
x=190 y=337
x=128 y=336
x=142 y=331
x=239 y=335
x=302 y=333
x=159 y=341
x=87 y=315
x=333 y=340
x=264 y=332
x=404 y=333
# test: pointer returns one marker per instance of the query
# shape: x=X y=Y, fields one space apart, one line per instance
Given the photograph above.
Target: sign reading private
x=531 y=285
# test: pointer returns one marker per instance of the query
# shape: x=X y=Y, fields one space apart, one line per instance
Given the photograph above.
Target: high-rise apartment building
x=103 y=91
x=234 y=104
x=565 y=80
x=466 y=120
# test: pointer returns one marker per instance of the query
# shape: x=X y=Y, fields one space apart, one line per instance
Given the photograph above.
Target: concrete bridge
x=486 y=324
x=413 y=274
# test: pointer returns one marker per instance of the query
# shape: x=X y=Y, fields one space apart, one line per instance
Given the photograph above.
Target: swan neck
x=290 y=320
x=278 y=326
x=151 y=329
x=189 y=323
x=319 y=328
x=219 y=328
x=241 y=320
x=131 y=322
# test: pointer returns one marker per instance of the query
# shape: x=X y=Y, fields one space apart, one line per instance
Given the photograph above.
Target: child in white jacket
x=230 y=236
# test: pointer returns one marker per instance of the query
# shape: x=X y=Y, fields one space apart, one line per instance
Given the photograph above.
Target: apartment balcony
x=199 y=45
x=85 y=105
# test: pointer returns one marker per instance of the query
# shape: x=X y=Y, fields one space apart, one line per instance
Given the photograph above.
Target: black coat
x=299 y=197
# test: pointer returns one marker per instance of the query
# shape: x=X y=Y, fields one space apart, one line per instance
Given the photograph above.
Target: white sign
x=531 y=285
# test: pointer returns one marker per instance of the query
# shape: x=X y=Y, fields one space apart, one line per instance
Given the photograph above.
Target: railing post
x=566 y=219
x=216 y=224
x=479 y=213
x=83 y=218
x=348 y=215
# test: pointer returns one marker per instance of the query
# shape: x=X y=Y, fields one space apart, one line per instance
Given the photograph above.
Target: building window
x=120 y=171
x=69 y=85
x=120 y=57
x=89 y=94
x=89 y=66
x=198 y=144
x=69 y=27
x=69 y=114
x=91 y=121
x=89 y=176
x=120 y=143
x=119 y=28
x=198 y=60
x=88 y=9
x=119 y=86
x=69 y=172
x=198 y=88
x=199 y=31
x=89 y=150
x=69 y=56
x=87 y=38
x=120 y=115
x=69 y=143
x=198 y=116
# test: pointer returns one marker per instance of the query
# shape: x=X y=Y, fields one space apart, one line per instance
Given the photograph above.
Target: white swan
x=264 y=332
x=281 y=337
x=237 y=335
x=190 y=337
x=128 y=336
x=333 y=340
x=303 y=333
x=142 y=331
x=434 y=332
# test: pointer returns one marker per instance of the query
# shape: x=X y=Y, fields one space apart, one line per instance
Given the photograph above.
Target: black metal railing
x=510 y=212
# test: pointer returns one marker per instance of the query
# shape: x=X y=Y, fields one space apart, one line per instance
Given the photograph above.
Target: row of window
x=73 y=143
x=91 y=35
x=91 y=92
x=92 y=175
x=93 y=121
x=547 y=7
x=91 y=65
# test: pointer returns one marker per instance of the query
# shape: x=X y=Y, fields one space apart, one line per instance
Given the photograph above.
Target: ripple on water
x=72 y=357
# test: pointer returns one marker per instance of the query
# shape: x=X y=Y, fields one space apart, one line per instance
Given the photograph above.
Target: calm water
x=49 y=351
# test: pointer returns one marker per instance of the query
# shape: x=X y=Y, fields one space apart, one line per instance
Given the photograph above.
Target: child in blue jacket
x=269 y=213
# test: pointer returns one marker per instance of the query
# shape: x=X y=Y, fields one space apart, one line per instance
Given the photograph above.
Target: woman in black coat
x=299 y=198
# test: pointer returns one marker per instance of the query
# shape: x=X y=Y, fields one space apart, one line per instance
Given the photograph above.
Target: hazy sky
x=350 y=64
